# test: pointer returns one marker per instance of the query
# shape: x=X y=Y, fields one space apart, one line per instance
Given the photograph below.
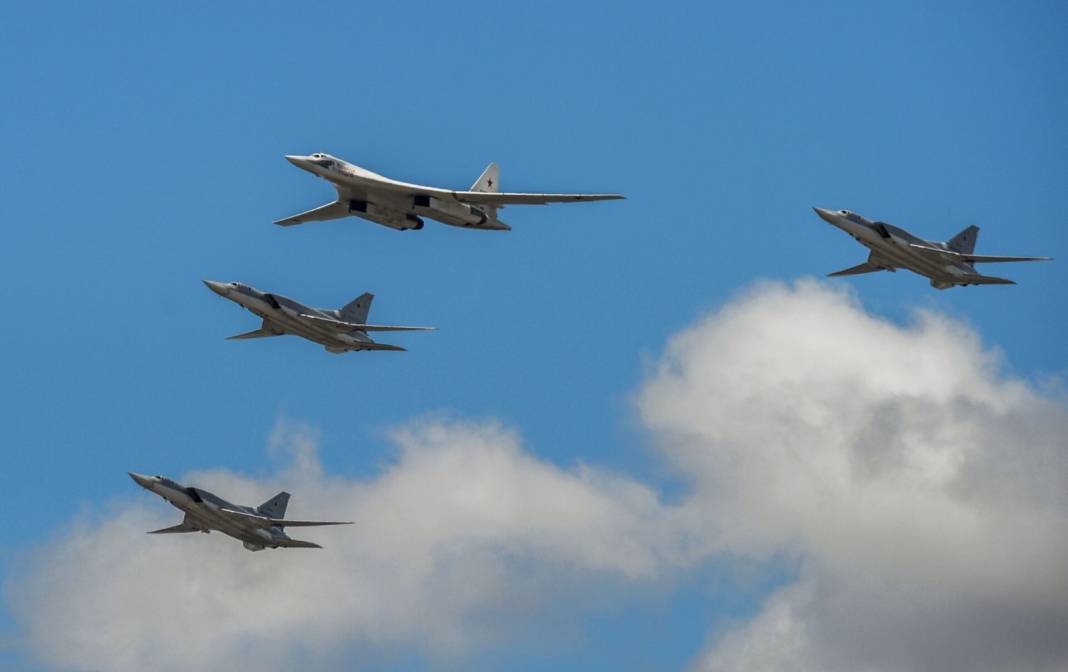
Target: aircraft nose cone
x=295 y=159
x=825 y=215
x=141 y=479
x=217 y=287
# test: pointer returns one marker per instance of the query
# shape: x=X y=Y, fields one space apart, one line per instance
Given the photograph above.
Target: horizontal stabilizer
x=266 y=521
x=351 y=326
x=856 y=270
x=335 y=210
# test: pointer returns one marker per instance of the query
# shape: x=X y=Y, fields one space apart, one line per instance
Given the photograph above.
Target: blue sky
x=144 y=150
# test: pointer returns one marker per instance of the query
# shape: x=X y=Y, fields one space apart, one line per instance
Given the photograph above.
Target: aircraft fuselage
x=890 y=249
x=396 y=204
x=285 y=313
x=202 y=510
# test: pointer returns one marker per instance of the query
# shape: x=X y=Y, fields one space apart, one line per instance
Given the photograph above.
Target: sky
x=648 y=433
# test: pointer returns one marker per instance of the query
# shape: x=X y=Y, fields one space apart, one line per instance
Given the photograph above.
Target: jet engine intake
x=252 y=547
x=394 y=219
x=449 y=212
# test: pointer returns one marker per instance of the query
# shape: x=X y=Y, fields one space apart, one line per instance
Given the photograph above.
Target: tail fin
x=489 y=180
x=964 y=242
x=355 y=311
x=275 y=507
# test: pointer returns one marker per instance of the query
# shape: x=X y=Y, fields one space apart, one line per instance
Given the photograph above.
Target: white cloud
x=463 y=533
x=920 y=490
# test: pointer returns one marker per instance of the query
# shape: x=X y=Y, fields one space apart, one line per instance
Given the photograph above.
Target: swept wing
x=267 y=329
x=185 y=526
x=264 y=521
x=502 y=199
x=295 y=543
x=340 y=325
x=334 y=210
x=371 y=183
x=981 y=258
x=856 y=270
x=985 y=280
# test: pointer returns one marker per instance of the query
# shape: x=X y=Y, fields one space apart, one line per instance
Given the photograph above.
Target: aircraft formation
x=404 y=206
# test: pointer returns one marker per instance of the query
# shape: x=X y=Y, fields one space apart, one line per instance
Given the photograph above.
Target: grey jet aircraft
x=947 y=264
x=339 y=330
x=257 y=528
x=402 y=206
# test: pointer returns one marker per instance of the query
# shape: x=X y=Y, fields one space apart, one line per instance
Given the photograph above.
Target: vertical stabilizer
x=355 y=311
x=964 y=242
x=275 y=507
x=489 y=181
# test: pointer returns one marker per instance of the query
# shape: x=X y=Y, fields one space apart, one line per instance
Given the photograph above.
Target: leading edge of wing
x=180 y=528
x=350 y=326
x=490 y=198
x=281 y=522
x=334 y=210
x=507 y=198
x=988 y=259
x=855 y=270
x=975 y=258
x=985 y=280
x=295 y=543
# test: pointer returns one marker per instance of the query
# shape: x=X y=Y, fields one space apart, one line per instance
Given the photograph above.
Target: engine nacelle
x=450 y=212
x=394 y=219
x=938 y=284
x=253 y=547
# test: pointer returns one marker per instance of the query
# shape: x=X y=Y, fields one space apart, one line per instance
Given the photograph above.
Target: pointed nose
x=296 y=160
x=217 y=287
x=141 y=479
x=825 y=215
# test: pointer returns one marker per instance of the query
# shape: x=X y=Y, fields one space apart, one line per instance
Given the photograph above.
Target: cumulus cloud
x=464 y=532
x=917 y=488
x=921 y=490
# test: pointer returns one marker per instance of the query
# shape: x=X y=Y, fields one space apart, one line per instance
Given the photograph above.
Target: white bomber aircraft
x=402 y=206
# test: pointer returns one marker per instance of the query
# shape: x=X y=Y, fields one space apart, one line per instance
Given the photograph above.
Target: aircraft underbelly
x=321 y=335
x=917 y=262
x=208 y=519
